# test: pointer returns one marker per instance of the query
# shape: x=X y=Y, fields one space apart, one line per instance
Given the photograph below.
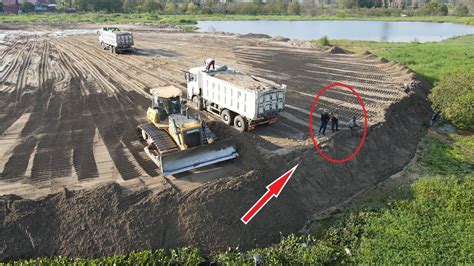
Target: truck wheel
x=197 y=103
x=226 y=117
x=240 y=124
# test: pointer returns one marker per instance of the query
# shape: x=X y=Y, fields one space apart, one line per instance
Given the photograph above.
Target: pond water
x=343 y=29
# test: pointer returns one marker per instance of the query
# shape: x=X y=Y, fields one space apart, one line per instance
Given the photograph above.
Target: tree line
x=275 y=7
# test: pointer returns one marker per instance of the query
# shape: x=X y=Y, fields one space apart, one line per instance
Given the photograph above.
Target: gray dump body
x=256 y=99
x=115 y=40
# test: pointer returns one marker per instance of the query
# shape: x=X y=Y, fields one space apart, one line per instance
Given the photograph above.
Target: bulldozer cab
x=166 y=101
x=187 y=132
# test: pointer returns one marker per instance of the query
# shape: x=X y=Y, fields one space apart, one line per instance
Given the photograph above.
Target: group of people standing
x=327 y=116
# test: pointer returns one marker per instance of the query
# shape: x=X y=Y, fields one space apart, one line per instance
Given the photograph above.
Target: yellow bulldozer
x=177 y=142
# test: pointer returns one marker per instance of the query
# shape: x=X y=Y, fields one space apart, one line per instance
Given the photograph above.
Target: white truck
x=116 y=41
x=238 y=98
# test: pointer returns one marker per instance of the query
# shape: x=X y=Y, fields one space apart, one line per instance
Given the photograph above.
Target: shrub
x=454 y=97
x=461 y=11
x=434 y=8
x=192 y=8
x=170 y=8
x=293 y=8
x=324 y=41
x=182 y=8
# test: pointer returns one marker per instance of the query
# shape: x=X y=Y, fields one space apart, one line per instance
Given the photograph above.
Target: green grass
x=434 y=228
x=431 y=60
x=101 y=17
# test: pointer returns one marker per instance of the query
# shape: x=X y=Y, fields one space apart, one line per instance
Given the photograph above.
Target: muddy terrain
x=75 y=180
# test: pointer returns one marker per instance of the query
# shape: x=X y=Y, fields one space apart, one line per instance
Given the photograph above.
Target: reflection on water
x=349 y=30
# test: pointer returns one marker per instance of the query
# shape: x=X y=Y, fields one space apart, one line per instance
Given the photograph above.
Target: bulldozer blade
x=182 y=161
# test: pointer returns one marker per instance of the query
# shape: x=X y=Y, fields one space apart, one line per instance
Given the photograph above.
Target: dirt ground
x=74 y=175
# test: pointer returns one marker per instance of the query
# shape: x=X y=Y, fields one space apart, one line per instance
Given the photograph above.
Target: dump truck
x=239 y=99
x=115 y=40
x=177 y=142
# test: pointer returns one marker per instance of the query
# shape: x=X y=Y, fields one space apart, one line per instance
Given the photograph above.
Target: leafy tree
x=454 y=97
x=461 y=10
x=127 y=6
x=347 y=3
x=191 y=8
x=435 y=8
x=182 y=7
x=293 y=8
x=27 y=7
x=276 y=7
x=247 y=8
x=150 y=6
x=170 y=8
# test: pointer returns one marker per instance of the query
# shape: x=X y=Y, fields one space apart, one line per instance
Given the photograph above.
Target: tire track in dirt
x=117 y=150
x=122 y=112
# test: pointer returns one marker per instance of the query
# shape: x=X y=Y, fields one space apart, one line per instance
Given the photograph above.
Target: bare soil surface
x=76 y=181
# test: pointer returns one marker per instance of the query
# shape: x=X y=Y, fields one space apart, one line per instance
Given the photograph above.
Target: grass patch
x=152 y=18
x=99 y=17
x=431 y=60
x=434 y=228
x=453 y=156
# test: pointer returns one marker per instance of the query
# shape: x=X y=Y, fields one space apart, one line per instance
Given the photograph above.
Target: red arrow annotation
x=273 y=190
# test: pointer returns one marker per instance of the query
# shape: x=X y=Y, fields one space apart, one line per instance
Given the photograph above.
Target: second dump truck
x=115 y=40
x=240 y=99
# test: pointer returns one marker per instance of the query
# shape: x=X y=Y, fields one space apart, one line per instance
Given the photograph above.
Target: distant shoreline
x=158 y=19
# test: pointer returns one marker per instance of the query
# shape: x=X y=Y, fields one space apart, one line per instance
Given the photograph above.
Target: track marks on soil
x=69 y=96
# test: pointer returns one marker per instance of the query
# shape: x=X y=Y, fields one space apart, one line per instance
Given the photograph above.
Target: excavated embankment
x=108 y=220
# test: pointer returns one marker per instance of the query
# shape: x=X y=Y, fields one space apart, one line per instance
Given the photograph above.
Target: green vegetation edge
x=158 y=19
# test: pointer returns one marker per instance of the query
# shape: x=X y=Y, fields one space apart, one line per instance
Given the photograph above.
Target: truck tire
x=240 y=123
x=197 y=103
x=226 y=117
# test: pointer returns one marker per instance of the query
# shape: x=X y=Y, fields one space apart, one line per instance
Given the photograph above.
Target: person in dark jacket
x=334 y=122
x=324 y=121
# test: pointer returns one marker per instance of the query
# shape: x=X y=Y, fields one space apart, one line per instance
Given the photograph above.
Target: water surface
x=387 y=31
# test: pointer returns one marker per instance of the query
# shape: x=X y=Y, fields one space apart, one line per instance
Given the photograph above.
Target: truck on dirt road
x=115 y=40
x=240 y=99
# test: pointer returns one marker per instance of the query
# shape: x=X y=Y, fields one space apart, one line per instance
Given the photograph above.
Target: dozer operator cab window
x=189 y=76
x=166 y=106
x=192 y=138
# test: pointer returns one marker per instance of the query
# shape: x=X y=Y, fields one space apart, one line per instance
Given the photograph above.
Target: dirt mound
x=255 y=35
x=107 y=220
x=336 y=50
x=93 y=138
x=280 y=39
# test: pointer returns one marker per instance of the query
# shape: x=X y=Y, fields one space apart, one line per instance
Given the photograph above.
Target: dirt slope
x=67 y=117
